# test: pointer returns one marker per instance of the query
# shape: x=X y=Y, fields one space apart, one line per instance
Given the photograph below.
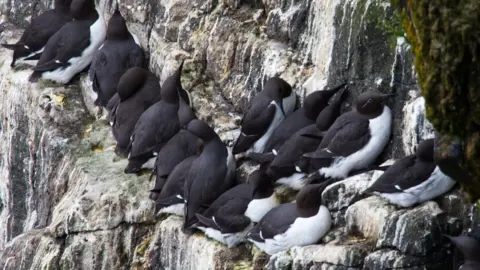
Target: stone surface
x=66 y=204
x=367 y=218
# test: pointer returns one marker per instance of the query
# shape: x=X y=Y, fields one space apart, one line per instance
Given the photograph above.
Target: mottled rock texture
x=444 y=35
x=66 y=204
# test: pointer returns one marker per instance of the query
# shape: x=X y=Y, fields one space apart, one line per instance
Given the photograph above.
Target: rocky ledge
x=66 y=203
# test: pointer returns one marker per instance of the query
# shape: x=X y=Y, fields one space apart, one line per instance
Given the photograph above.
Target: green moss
x=386 y=19
x=445 y=41
x=243 y=265
x=144 y=245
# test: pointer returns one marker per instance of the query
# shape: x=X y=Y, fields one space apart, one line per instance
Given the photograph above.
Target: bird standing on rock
x=303 y=222
x=265 y=112
x=38 y=32
x=413 y=179
x=170 y=199
x=137 y=90
x=117 y=54
x=210 y=175
x=230 y=217
x=355 y=139
x=157 y=125
x=70 y=50
x=289 y=167
x=305 y=116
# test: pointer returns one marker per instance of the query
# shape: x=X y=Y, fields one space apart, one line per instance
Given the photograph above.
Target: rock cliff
x=66 y=204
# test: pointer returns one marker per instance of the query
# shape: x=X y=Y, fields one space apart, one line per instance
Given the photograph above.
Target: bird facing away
x=32 y=43
x=177 y=149
x=289 y=167
x=70 y=50
x=170 y=199
x=314 y=103
x=413 y=179
x=264 y=113
x=210 y=175
x=356 y=138
x=229 y=218
x=120 y=52
x=156 y=126
x=300 y=223
x=137 y=90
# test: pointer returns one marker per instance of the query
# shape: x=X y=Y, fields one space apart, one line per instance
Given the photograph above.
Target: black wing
x=275 y=222
x=287 y=128
x=254 y=124
x=154 y=128
x=178 y=148
x=70 y=41
x=347 y=135
x=403 y=174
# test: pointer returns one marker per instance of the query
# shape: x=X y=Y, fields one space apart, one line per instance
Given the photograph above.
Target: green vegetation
x=445 y=39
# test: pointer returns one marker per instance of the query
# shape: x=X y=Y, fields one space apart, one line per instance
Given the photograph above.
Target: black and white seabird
x=117 y=54
x=305 y=116
x=70 y=50
x=289 y=167
x=41 y=28
x=301 y=223
x=210 y=175
x=178 y=148
x=137 y=90
x=413 y=179
x=265 y=112
x=470 y=248
x=156 y=126
x=355 y=139
x=170 y=199
x=227 y=220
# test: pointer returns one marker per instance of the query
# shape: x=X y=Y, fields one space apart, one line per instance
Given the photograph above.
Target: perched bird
x=265 y=112
x=183 y=145
x=137 y=90
x=413 y=179
x=210 y=175
x=314 y=103
x=156 y=126
x=170 y=199
x=117 y=54
x=227 y=220
x=470 y=248
x=303 y=222
x=70 y=50
x=289 y=167
x=41 y=28
x=355 y=139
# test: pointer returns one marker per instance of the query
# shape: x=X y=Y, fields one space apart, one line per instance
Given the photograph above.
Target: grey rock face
x=66 y=204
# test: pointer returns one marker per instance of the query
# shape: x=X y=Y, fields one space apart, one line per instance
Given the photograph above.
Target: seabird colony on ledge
x=155 y=127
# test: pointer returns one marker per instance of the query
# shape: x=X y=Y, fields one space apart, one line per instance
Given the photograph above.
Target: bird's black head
x=172 y=87
x=371 y=103
x=130 y=82
x=19 y=51
x=469 y=246
x=318 y=100
x=201 y=130
x=309 y=198
x=278 y=89
x=63 y=5
x=425 y=150
x=117 y=27
x=261 y=183
x=83 y=9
